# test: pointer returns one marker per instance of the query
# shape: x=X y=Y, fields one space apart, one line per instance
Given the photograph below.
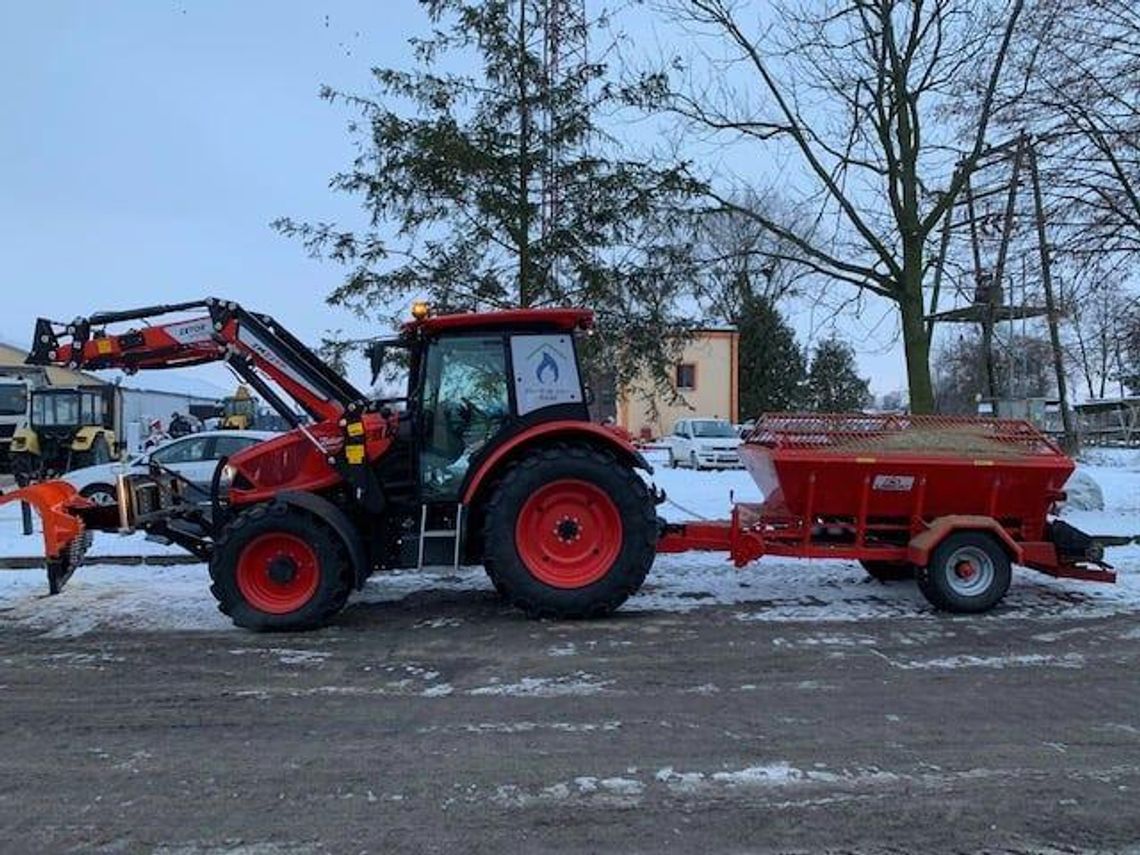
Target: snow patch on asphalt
x=950 y=663
x=579 y=683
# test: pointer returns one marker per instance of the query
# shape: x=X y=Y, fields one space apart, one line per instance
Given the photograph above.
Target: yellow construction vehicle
x=67 y=429
x=239 y=411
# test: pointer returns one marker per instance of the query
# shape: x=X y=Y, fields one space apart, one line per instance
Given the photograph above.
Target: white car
x=703 y=444
x=194 y=457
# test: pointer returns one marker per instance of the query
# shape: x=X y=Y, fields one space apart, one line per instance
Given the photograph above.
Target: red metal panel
x=562 y=428
x=921 y=545
x=559 y=319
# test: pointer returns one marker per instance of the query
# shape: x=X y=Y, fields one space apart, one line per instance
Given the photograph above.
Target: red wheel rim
x=568 y=533
x=277 y=573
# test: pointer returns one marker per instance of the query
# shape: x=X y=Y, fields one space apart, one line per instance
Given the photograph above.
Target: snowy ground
x=176 y=598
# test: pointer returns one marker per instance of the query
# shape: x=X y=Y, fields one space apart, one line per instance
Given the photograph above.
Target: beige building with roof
x=12 y=364
x=706 y=378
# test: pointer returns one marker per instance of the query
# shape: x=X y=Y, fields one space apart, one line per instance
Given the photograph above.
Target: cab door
x=464 y=403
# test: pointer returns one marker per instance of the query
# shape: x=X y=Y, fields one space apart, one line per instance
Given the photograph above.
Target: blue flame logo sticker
x=547 y=370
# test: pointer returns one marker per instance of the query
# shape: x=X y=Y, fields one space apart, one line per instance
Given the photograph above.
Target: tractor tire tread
x=643 y=543
x=250 y=619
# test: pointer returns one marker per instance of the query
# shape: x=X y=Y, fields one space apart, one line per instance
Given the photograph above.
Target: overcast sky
x=147 y=145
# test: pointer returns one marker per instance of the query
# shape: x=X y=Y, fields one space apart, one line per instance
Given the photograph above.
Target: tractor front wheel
x=570 y=533
x=968 y=572
x=279 y=568
x=26 y=468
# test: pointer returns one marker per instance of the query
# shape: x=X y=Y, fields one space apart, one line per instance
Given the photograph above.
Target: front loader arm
x=254 y=345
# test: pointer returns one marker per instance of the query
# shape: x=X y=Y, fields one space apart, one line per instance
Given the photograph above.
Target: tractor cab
x=68 y=428
x=478 y=385
x=239 y=411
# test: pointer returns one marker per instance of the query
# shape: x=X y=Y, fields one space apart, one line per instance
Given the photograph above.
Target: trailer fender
x=922 y=544
x=554 y=430
x=338 y=520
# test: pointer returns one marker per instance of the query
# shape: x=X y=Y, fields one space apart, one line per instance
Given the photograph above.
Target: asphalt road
x=447 y=723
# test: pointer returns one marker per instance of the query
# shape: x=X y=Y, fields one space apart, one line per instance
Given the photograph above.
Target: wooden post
x=1072 y=441
x=999 y=266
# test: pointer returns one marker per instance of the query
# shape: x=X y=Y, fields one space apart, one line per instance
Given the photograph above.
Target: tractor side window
x=465 y=403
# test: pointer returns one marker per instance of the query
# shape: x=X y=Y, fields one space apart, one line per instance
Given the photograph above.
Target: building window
x=686 y=376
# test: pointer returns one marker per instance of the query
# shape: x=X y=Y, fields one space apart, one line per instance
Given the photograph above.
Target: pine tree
x=833 y=383
x=771 y=366
x=488 y=184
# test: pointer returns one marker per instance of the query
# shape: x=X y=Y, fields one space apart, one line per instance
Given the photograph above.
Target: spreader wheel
x=277 y=567
x=570 y=533
x=968 y=572
x=889 y=571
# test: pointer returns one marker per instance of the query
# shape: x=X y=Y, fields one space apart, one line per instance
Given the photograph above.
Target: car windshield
x=713 y=430
x=13 y=399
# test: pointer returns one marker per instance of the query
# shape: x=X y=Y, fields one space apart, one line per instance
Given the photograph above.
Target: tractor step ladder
x=439 y=533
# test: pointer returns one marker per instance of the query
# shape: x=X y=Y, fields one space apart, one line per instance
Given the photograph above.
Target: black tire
x=333 y=568
x=101 y=494
x=625 y=496
x=889 y=571
x=942 y=581
x=26 y=468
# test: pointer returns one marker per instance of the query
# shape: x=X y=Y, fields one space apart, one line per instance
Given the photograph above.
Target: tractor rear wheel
x=889 y=571
x=98 y=454
x=968 y=572
x=279 y=568
x=570 y=532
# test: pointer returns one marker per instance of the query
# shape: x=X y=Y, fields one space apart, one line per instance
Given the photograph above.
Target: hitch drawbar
x=66 y=538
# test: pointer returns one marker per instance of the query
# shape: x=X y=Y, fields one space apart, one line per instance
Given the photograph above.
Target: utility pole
x=1072 y=441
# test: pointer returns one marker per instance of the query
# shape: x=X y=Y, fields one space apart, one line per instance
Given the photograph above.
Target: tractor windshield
x=711 y=429
x=13 y=399
x=52 y=409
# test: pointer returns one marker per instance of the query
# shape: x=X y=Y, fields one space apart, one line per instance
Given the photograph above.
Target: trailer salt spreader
x=955 y=501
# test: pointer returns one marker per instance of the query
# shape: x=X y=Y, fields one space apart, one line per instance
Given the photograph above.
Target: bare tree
x=1075 y=83
x=848 y=89
x=1097 y=306
x=738 y=260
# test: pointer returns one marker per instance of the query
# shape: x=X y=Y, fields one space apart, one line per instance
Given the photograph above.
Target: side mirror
x=376 y=353
x=588 y=395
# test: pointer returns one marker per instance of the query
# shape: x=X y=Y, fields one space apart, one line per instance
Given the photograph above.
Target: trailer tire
x=968 y=572
x=889 y=571
x=571 y=532
x=278 y=568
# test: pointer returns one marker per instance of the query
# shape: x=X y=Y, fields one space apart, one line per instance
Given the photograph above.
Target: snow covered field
x=176 y=598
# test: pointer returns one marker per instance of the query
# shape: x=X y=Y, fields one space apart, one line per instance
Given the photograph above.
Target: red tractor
x=489 y=457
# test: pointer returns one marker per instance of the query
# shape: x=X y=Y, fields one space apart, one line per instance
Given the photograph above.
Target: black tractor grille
x=6 y=431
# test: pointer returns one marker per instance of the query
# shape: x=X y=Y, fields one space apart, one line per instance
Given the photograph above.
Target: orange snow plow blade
x=66 y=539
